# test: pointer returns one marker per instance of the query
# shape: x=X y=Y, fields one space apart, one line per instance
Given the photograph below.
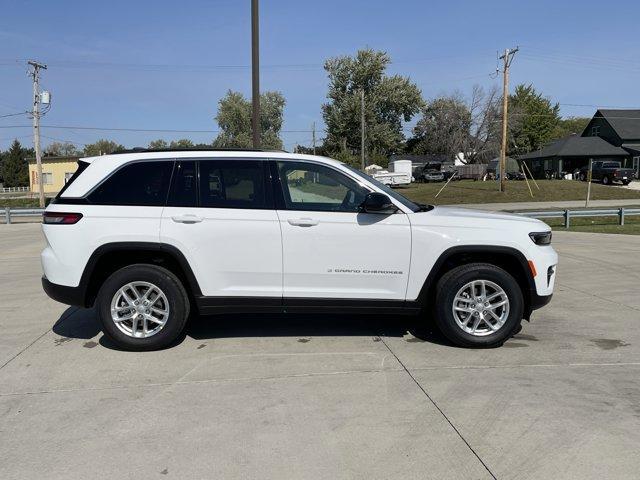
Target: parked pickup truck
x=608 y=172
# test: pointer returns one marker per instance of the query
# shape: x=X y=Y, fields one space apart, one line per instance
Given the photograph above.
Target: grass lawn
x=21 y=202
x=468 y=191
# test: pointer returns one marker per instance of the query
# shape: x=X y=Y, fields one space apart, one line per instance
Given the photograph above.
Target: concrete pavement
x=326 y=397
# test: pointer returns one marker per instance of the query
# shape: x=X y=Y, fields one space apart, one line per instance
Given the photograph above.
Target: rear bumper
x=63 y=293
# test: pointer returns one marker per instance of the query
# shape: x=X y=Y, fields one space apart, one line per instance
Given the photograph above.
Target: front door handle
x=186 y=219
x=303 y=222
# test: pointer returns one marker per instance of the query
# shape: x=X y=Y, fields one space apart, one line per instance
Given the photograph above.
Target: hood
x=463 y=214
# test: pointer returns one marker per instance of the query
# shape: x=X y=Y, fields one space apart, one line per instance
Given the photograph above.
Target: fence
x=567 y=215
x=13 y=189
x=9 y=213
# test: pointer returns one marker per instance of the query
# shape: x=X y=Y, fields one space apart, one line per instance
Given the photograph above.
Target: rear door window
x=184 y=186
x=140 y=183
x=233 y=184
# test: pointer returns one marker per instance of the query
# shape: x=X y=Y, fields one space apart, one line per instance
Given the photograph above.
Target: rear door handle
x=303 y=222
x=186 y=219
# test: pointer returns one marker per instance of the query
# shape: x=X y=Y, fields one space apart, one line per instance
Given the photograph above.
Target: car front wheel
x=143 y=307
x=478 y=305
x=605 y=180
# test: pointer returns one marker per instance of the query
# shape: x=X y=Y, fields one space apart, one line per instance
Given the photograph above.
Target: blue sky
x=134 y=64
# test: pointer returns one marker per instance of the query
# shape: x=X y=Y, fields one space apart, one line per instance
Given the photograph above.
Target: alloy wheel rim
x=480 y=308
x=139 y=309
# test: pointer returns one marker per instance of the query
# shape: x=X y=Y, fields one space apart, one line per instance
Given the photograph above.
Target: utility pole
x=255 y=73
x=35 y=74
x=362 y=127
x=589 y=178
x=313 y=136
x=507 y=59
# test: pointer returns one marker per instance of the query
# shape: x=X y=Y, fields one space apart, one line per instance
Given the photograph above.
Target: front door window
x=311 y=187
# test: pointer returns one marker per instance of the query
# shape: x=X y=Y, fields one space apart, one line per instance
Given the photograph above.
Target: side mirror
x=376 y=202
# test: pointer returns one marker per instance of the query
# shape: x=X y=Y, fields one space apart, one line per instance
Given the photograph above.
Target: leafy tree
x=533 y=120
x=389 y=100
x=443 y=128
x=157 y=144
x=15 y=170
x=571 y=125
x=61 y=149
x=182 y=143
x=234 y=119
x=453 y=124
x=102 y=147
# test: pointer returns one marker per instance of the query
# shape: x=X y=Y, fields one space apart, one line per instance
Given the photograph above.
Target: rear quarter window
x=82 y=166
x=140 y=183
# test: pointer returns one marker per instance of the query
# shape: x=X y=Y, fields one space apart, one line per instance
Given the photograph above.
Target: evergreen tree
x=15 y=170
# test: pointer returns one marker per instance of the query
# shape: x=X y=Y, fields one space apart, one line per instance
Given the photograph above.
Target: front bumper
x=64 y=294
x=539 y=301
x=535 y=302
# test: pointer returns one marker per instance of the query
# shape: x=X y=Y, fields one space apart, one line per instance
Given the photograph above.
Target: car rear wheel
x=143 y=307
x=478 y=305
x=605 y=180
x=583 y=177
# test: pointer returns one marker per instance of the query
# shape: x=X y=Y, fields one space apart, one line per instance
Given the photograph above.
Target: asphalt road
x=326 y=397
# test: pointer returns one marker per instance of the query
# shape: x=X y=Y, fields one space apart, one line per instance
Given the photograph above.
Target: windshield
x=386 y=189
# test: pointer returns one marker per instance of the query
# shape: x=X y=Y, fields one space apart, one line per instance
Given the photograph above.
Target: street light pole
x=255 y=73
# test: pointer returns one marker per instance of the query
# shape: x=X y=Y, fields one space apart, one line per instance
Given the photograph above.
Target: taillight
x=61 y=218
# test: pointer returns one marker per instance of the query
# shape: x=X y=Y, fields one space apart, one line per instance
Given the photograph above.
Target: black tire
x=583 y=177
x=458 y=277
x=626 y=182
x=168 y=283
x=605 y=180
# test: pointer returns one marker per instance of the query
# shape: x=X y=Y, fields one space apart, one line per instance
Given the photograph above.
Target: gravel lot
x=326 y=397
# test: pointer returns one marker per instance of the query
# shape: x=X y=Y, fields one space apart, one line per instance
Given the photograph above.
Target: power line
x=122 y=129
x=588 y=58
x=97 y=64
x=579 y=63
x=14 y=114
x=64 y=140
x=598 y=106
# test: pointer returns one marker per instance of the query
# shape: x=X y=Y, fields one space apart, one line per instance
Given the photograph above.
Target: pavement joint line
x=33 y=342
x=444 y=415
x=23 y=350
x=197 y=382
x=527 y=365
x=599 y=297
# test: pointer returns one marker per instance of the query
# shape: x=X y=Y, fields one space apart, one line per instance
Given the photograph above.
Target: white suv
x=150 y=236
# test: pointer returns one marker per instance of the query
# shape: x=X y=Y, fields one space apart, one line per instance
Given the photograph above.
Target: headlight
x=541 y=238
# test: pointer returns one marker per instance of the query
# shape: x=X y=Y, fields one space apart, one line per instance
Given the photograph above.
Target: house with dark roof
x=609 y=135
x=620 y=128
x=570 y=154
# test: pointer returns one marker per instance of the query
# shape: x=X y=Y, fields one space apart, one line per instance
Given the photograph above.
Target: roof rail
x=194 y=149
